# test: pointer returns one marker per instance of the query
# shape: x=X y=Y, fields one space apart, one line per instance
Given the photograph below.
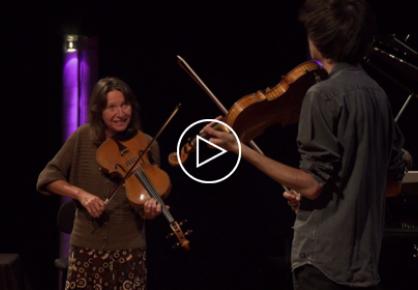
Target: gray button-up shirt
x=349 y=142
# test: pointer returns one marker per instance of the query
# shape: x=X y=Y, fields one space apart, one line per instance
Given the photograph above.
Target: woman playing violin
x=108 y=239
x=349 y=147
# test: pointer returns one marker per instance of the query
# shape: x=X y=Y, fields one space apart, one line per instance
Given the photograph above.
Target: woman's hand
x=151 y=209
x=293 y=199
x=93 y=204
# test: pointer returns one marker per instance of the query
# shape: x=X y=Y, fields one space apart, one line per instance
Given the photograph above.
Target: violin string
x=145 y=181
x=173 y=224
x=139 y=172
x=143 y=178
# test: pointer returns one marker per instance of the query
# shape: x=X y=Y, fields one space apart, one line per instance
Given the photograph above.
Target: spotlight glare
x=71 y=43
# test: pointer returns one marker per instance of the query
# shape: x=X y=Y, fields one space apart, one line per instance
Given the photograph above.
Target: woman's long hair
x=98 y=102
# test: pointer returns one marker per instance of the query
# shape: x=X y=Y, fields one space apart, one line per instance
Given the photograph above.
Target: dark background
x=242 y=227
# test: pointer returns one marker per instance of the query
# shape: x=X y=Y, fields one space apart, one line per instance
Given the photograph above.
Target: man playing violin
x=108 y=239
x=350 y=149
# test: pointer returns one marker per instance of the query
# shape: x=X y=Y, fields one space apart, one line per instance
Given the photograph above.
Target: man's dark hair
x=341 y=30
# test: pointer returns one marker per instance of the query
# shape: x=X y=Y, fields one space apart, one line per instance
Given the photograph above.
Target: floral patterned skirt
x=91 y=269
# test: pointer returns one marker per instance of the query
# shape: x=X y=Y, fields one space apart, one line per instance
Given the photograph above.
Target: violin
x=128 y=161
x=253 y=113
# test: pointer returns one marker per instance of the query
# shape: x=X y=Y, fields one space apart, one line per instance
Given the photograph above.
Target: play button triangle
x=200 y=163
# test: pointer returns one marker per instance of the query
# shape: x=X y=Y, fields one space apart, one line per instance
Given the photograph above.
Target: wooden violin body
x=253 y=113
x=115 y=158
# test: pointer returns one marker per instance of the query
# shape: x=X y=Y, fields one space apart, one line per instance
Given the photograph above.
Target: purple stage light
x=79 y=71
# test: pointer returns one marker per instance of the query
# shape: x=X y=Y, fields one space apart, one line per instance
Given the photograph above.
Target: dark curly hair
x=341 y=30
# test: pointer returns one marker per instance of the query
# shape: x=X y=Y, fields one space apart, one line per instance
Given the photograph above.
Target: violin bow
x=188 y=69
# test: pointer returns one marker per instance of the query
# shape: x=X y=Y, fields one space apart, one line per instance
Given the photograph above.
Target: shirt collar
x=342 y=66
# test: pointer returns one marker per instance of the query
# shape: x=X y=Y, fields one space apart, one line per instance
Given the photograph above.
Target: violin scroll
x=189 y=147
x=176 y=231
x=185 y=150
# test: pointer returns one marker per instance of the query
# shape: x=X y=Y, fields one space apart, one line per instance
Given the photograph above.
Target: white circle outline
x=216 y=180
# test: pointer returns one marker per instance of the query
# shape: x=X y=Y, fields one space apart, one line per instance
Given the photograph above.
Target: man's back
x=345 y=140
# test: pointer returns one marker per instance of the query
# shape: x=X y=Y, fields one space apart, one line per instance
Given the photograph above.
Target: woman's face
x=117 y=114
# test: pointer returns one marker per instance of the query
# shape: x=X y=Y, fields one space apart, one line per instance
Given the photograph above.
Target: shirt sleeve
x=317 y=144
x=59 y=166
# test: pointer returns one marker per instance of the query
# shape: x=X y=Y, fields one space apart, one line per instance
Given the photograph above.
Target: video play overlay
x=202 y=160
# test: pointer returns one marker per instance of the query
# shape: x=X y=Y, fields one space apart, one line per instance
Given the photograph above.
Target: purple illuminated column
x=79 y=71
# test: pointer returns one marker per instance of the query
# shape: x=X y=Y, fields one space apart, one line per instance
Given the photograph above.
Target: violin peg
x=169 y=236
x=175 y=246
